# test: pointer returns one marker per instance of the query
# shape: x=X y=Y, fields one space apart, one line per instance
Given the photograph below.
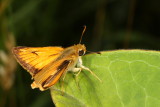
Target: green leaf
x=130 y=78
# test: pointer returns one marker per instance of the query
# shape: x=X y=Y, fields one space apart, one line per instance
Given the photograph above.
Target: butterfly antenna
x=84 y=29
x=94 y=52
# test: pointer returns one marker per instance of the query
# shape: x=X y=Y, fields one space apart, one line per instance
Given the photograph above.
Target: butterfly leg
x=62 y=82
x=77 y=70
x=80 y=65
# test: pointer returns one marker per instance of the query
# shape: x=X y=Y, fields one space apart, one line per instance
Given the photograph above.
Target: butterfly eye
x=81 y=52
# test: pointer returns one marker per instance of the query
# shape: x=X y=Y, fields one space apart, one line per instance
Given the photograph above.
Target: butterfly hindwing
x=34 y=59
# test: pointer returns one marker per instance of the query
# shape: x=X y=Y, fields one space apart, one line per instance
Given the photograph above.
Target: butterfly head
x=81 y=49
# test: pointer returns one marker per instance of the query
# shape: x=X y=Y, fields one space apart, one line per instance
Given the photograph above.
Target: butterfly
x=48 y=64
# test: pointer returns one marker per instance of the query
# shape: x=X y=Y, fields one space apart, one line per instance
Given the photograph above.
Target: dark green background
x=111 y=24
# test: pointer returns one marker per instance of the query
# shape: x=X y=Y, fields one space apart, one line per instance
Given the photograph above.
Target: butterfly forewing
x=51 y=74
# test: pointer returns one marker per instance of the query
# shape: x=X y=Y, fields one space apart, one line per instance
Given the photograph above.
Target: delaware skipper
x=48 y=64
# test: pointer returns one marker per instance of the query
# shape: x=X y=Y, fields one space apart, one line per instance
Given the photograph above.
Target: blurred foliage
x=111 y=24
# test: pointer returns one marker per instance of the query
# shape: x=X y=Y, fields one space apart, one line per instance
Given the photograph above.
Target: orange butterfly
x=47 y=64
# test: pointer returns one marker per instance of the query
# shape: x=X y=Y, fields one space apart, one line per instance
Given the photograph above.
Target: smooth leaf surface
x=130 y=78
